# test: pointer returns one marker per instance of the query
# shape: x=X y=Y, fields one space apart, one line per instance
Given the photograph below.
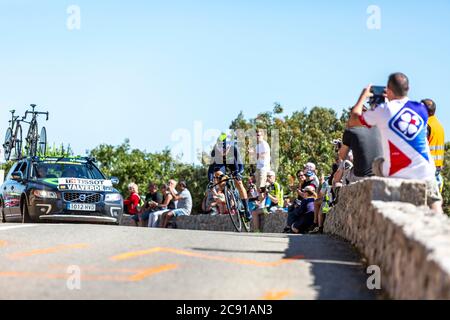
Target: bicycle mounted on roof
x=35 y=143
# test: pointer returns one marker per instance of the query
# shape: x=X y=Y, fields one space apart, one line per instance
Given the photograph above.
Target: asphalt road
x=63 y=261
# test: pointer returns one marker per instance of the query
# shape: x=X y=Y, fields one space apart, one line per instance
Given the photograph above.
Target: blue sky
x=144 y=69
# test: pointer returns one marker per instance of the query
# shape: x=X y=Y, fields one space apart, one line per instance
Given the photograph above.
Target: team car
x=65 y=189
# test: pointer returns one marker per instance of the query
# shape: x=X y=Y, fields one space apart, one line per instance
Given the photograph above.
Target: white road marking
x=20 y=226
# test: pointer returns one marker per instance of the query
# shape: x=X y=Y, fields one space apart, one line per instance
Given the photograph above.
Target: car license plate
x=81 y=207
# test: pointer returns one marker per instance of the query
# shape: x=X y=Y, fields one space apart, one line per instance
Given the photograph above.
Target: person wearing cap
x=273 y=199
x=303 y=217
x=225 y=157
x=184 y=206
x=311 y=180
x=436 y=140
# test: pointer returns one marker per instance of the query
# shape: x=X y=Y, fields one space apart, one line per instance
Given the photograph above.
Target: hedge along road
x=64 y=261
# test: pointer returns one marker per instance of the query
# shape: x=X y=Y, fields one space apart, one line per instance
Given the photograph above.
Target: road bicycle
x=35 y=143
x=13 y=137
x=235 y=207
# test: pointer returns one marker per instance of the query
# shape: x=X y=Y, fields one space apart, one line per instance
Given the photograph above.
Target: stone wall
x=273 y=223
x=387 y=220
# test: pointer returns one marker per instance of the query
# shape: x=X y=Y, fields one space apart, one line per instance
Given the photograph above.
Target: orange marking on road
x=19 y=274
x=277 y=295
x=150 y=272
x=3 y=243
x=135 y=254
x=61 y=248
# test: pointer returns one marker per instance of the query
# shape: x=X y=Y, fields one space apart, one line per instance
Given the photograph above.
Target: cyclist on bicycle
x=226 y=158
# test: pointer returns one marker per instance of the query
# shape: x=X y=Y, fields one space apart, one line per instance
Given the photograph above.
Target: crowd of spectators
x=399 y=139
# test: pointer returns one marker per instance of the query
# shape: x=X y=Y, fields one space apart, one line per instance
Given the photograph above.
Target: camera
x=378 y=96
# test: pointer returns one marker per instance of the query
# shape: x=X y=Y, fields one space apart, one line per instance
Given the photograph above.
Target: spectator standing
x=436 y=140
x=365 y=144
x=322 y=205
x=184 y=206
x=262 y=161
x=132 y=202
x=403 y=129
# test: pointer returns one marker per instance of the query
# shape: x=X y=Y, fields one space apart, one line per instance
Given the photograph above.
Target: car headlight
x=45 y=194
x=113 y=197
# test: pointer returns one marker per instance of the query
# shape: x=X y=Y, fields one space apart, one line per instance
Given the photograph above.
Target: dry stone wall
x=387 y=220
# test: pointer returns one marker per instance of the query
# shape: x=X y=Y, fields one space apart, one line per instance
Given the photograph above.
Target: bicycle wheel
x=18 y=142
x=32 y=139
x=233 y=208
x=8 y=144
x=246 y=224
x=43 y=142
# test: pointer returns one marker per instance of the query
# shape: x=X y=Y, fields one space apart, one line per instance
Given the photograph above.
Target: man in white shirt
x=262 y=161
x=403 y=129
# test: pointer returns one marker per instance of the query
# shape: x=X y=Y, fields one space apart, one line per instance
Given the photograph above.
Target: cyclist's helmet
x=224 y=143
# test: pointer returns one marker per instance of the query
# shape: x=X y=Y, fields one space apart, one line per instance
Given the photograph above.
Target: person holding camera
x=273 y=200
x=403 y=129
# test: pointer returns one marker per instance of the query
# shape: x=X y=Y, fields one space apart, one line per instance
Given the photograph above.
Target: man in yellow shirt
x=436 y=140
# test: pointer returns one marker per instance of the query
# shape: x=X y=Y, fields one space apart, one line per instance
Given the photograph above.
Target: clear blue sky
x=142 y=69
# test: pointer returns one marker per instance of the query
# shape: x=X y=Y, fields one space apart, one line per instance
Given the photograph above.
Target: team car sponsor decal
x=76 y=184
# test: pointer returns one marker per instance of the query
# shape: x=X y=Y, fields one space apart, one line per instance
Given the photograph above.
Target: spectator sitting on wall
x=403 y=129
x=214 y=202
x=311 y=168
x=342 y=174
x=273 y=199
x=152 y=201
x=132 y=202
x=365 y=144
x=184 y=206
x=253 y=194
x=303 y=217
x=168 y=204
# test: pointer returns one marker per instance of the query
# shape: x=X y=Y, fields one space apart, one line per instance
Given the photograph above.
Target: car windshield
x=49 y=170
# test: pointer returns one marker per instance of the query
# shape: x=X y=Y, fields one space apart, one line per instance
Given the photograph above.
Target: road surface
x=64 y=261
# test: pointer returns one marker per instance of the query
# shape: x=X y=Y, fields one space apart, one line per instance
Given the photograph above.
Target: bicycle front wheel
x=233 y=208
x=18 y=142
x=43 y=142
x=8 y=144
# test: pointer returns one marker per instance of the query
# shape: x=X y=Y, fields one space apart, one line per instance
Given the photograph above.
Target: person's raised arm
x=357 y=110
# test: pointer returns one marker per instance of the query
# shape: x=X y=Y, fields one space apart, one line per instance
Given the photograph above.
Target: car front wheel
x=25 y=216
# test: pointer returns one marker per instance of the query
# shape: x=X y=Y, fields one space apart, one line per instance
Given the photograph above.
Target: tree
x=303 y=137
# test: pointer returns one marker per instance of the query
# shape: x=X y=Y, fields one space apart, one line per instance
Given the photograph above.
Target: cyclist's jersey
x=403 y=129
x=231 y=162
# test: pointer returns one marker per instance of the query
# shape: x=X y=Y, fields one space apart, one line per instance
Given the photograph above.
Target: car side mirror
x=115 y=180
x=17 y=176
